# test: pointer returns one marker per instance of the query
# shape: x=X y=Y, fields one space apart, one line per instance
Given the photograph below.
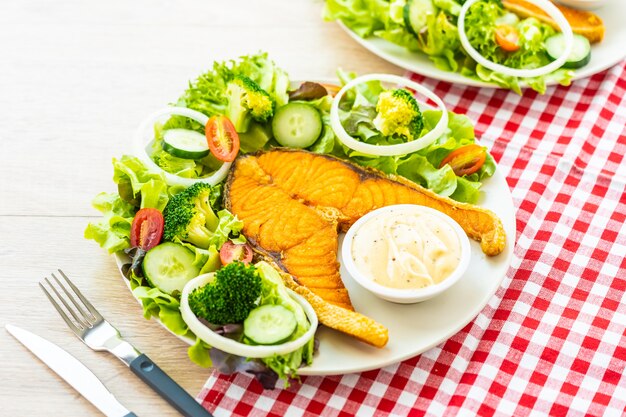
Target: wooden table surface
x=76 y=78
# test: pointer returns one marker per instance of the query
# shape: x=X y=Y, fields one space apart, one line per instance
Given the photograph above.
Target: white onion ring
x=388 y=150
x=232 y=346
x=546 y=6
x=140 y=147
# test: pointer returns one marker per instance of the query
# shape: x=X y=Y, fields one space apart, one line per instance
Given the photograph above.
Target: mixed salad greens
x=310 y=106
x=174 y=233
x=430 y=26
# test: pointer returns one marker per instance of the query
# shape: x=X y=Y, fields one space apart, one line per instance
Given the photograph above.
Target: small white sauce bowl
x=232 y=346
x=401 y=295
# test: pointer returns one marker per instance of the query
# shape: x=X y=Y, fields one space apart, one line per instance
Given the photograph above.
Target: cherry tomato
x=466 y=160
x=147 y=228
x=507 y=38
x=222 y=138
x=231 y=252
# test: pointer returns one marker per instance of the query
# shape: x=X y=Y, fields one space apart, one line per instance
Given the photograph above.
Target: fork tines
x=84 y=314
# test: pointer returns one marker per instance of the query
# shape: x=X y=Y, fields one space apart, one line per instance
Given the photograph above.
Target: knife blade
x=72 y=371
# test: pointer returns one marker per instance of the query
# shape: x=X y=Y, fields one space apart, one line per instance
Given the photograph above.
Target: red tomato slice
x=507 y=38
x=222 y=138
x=466 y=160
x=146 y=230
x=231 y=252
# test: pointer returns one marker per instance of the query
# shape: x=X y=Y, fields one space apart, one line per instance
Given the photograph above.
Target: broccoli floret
x=230 y=297
x=246 y=102
x=398 y=114
x=189 y=217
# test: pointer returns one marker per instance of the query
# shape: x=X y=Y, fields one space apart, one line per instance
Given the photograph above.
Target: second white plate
x=603 y=55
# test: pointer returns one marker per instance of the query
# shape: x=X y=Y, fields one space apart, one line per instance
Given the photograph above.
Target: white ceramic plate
x=414 y=328
x=603 y=55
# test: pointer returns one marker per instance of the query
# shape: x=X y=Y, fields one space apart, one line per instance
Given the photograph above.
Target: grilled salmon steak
x=293 y=204
x=582 y=22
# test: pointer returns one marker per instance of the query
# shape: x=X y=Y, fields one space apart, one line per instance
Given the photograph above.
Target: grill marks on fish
x=280 y=223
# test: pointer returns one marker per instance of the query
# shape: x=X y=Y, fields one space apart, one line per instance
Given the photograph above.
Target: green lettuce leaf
x=418 y=169
x=400 y=36
x=441 y=42
x=112 y=231
x=466 y=190
x=227 y=224
x=207 y=94
x=149 y=185
x=274 y=292
x=357 y=112
x=207 y=260
x=182 y=167
x=362 y=16
x=164 y=306
x=451 y=7
x=199 y=353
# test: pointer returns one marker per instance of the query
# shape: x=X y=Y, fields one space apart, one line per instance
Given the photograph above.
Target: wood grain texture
x=76 y=79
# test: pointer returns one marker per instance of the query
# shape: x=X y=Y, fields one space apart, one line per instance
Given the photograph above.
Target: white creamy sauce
x=406 y=249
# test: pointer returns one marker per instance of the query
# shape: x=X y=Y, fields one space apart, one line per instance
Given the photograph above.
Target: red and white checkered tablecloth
x=552 y=340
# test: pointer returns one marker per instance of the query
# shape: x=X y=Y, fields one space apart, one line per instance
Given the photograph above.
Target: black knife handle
x=167 y=388
x=131 y=414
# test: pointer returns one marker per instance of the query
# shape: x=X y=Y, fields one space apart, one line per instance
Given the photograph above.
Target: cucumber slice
x=581 y=50
x=297 y=125
x=186 y=144
x=416 y=13
x=269 y=324
x=169 y=266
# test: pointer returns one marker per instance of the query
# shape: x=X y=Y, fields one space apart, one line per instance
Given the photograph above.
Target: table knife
x=72 y=371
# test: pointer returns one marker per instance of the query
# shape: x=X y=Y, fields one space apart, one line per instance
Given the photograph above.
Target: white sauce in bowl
x=406 y=250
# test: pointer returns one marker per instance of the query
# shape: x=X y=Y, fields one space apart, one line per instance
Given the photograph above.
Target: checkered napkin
x=552 y=340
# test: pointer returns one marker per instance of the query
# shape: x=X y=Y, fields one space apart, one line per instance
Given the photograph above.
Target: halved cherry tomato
x=146 y=230
x=222 y=138
x=231 y=252
x=507 y=38
x=466 y=160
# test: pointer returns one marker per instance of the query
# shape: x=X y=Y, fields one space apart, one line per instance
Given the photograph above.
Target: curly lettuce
x=207 y=94
x=138 y=187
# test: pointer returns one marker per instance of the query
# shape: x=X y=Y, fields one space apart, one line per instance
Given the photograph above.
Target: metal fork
x=97 y=333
